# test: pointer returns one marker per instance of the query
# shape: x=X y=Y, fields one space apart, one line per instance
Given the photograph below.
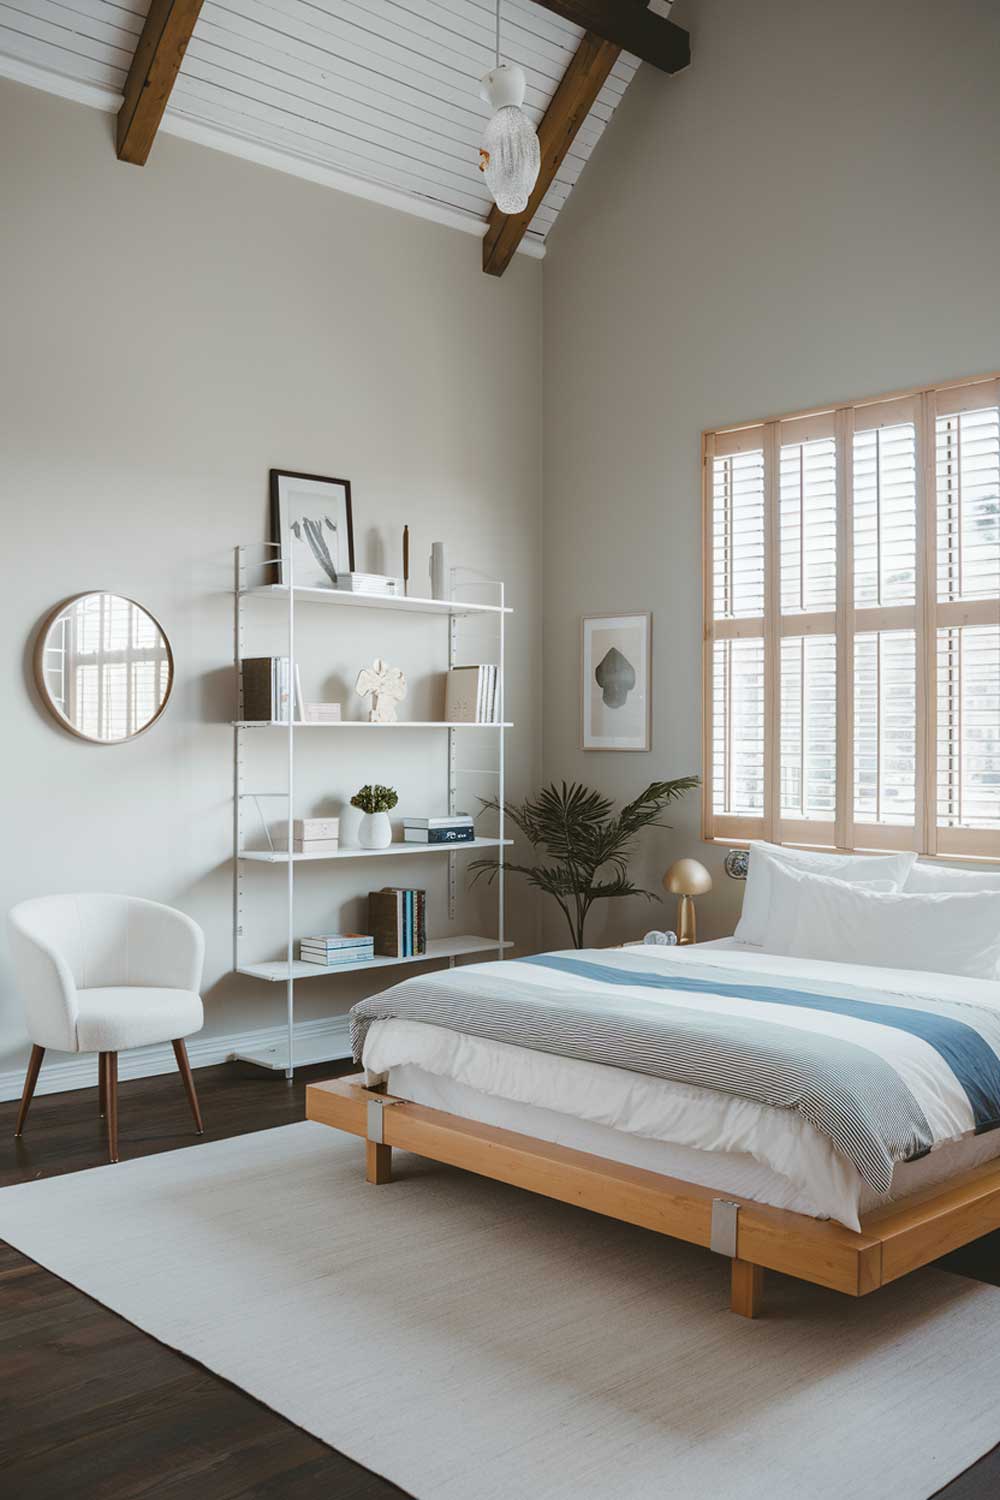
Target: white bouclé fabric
x=102 y=973
x=112 y=1020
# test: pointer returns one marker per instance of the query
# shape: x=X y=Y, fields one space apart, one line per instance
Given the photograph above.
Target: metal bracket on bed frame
x=725 y=1223
x=374 y=1125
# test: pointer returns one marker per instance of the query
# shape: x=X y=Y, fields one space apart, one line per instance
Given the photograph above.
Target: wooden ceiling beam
x=631 y=27
x=568 y=108
x=155 y=66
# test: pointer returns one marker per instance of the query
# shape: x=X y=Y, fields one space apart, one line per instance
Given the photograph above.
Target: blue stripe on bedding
x=970 y=1057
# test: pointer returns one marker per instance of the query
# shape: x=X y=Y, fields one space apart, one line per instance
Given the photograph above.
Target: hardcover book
x=339 y=940
x=461 y=835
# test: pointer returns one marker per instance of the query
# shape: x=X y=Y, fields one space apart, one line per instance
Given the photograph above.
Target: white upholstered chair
x=102 y=974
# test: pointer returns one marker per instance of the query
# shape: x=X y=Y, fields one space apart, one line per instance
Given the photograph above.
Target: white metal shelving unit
x=289 y=969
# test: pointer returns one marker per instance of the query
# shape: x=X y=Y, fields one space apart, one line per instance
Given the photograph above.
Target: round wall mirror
x=103 y=667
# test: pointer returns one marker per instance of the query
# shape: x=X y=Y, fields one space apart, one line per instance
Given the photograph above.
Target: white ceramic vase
x=439 y=571
x=375 y=831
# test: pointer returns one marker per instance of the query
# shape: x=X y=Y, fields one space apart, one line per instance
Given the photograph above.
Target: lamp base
x=686 y=926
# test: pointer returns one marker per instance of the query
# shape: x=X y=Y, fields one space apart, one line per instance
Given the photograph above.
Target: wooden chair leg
x=102 y=1087
x=747 y=1288
x=378 y=1162
x=180 y=1052
x=30 y=1079
x=109 y=1072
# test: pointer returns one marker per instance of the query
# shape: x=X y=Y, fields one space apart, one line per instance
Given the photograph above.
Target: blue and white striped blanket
x=886 y=1076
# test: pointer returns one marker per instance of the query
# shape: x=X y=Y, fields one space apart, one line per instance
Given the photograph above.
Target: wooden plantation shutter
x=807 y=554
x=735 y=715
x=965 y=619
x=852 y=625
x=883 y=607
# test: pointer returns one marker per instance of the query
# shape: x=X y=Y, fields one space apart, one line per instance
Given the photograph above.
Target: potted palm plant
x=585 y=844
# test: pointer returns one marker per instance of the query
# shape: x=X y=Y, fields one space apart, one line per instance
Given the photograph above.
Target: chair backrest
x=102 y=939
x=89 y=933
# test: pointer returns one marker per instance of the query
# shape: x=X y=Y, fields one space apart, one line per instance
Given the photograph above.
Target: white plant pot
x=375 y=831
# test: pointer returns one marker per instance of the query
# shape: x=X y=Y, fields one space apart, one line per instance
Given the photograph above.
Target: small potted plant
x=375 y=830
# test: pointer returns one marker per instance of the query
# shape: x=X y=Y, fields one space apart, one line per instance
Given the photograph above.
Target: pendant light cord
x=498 y=34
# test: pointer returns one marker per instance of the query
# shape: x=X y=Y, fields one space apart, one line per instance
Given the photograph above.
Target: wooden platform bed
x=893 y=1241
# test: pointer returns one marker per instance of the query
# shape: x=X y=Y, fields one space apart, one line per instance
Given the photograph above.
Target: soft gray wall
x=809 y=213
x=169 y=334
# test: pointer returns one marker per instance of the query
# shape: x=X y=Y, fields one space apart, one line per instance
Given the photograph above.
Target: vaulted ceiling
x=378 y=97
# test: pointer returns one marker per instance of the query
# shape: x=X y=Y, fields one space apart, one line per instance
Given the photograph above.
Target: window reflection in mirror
x=104 y=667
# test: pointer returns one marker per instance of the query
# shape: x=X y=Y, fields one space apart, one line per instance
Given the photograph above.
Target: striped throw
x=886 y=1076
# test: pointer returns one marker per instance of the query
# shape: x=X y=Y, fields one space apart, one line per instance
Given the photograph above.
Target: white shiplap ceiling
x=378 y=97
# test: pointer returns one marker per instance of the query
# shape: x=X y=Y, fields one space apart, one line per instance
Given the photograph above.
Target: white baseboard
x=62 y=1071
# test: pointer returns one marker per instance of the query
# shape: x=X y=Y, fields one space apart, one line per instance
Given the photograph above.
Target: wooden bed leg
x=747 y=1288
x=378 y=1162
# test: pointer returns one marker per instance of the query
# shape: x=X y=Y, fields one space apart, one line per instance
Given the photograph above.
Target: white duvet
x=737 y=1145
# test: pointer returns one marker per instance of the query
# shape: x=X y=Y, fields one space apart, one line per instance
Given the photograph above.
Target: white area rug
x=472 y=1342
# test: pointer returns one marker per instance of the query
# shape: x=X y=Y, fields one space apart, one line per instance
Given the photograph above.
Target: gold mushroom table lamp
x=686 y=879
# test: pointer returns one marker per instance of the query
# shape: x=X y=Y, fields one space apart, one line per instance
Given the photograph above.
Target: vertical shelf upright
x=288 y=970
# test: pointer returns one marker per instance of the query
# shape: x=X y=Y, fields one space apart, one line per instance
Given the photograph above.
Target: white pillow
x=788 y=890
x=944 y=878
x=945 y=932
x=849 y=867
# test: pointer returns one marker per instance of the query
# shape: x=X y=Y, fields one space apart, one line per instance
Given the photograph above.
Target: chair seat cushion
x=123 y=1016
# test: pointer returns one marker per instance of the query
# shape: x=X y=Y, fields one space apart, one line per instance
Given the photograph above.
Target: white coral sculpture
x=387 y=687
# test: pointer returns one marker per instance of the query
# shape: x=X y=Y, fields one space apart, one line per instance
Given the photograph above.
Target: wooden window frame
x=925 y=616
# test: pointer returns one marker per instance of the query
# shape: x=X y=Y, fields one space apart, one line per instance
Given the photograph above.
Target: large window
x=852 y=625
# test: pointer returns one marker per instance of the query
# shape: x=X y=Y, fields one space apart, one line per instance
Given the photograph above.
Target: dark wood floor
x=92 y=1408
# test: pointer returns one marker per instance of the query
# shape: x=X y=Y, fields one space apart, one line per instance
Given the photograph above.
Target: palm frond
x=576 y=828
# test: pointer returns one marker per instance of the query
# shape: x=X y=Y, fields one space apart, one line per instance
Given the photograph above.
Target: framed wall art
x=311 y=522
x=615 y=653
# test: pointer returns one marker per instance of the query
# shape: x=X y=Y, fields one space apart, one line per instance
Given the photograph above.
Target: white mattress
x=700 y=1135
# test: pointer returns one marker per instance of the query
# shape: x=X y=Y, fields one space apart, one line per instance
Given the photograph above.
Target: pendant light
x=509 y=157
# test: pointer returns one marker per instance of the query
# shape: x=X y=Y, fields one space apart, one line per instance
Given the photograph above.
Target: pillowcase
x=943 y=878
x=942 y=931
x=850 y=867
x=787 y=892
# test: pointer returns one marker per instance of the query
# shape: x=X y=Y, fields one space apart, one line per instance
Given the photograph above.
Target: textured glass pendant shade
x=510 y=155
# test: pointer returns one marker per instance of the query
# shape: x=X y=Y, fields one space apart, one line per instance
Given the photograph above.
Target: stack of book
x=397 y=918
x=267 y=688
x=331 y=949
x=322 y=713
x=368 y=583
x=452 y=830
x=472 y=695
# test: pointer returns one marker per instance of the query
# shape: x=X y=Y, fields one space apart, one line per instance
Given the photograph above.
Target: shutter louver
x=885 y=516
x=968 y=505
x=968 y=727
x=809 y=727
x=738 y=535
x=738 y=728
x=885 y=727
x=808 y=526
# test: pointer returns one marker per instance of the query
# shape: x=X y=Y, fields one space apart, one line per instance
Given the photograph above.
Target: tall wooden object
x=155 y=66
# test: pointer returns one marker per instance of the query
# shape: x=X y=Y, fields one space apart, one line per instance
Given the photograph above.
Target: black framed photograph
x=312 y=524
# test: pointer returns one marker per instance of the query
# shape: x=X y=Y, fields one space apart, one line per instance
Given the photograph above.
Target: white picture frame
x=616 y=681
